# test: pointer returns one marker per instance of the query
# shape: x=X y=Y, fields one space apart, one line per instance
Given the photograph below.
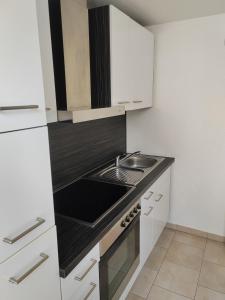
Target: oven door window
x=119 y=262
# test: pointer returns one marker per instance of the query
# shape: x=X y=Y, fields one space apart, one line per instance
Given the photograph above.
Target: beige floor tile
x=156 y=258
x=195 y=241
x=215 y=252
x=177 y=279
x=166 y=238
x=158 y=293
x=185 y=255
x=133 y=297
x=144 y=282
x=206 y=294
x=212 y=276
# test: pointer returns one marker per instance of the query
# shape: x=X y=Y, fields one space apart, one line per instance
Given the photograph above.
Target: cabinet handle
x=18 y=280
x=123 y=102
x=2 y=108
x=149 y=196
x=149 y=211
x=8 y=240
x=160 y=197
x=79 y=278
x=137 y=101
x=91 y=290
x=47 y=108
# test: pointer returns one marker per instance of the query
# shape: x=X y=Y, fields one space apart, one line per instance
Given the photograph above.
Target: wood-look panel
x=77 y=148
x=76 y=53
x=99 y=36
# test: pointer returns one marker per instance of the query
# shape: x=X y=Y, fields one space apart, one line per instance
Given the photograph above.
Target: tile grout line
x=197 y=286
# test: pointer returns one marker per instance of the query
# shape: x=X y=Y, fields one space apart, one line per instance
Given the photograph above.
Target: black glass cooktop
x=89 y=201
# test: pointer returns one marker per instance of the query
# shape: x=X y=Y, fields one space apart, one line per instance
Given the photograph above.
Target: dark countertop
x=76 y=240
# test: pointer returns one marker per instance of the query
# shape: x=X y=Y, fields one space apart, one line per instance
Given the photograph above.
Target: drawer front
x=88 y=289
x=33 y=272
x=86 y=272
x=26 y=190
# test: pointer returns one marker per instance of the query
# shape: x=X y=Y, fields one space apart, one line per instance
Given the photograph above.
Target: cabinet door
x=121 y=59
x=162 y=203
x=21 y=92
x=33 y=272
x=131 y=47
x=141 y=51
x=26 y=190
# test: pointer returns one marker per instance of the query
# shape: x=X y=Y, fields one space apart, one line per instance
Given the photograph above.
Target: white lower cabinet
x=154 y=214
x=33 y=272
x=26 y=199
x=83 y=282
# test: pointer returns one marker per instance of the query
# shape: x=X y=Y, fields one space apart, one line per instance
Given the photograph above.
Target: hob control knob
x=135 y=210
x=127 y=219
x=131 y=214
x=123 y=224
x=138 y=206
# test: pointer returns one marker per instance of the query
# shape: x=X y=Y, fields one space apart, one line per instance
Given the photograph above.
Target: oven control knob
x=138 y=206
x=127 y=219
x=131 y=214
x=135 y=210
x=123 y=224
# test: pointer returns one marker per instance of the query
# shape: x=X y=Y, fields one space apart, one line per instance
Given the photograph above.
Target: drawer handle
x=149 y=211
x=91 y=290
x=80 y=278
x=149 y=196
x=3 y=108
x=137 y=101
x=8 y=240
x=160 y=197
x=18 y=280
x=123 y=102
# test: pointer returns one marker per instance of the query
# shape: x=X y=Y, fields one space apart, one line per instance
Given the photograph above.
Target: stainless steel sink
x=138 y=162
x=129 y=170
x=122 y=175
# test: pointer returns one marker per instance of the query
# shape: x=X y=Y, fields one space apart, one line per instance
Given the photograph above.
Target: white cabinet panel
x=20 y=66
x=131 y=48
x=83 y=279
x=154 y=214
x=26 y=188
x=43 y=281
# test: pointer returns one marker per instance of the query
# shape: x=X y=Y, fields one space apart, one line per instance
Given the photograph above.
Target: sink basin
x=125 y=176
x=138 y=162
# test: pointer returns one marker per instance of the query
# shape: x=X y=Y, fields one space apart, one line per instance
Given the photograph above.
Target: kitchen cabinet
x=154 y=215
x=26 y=189
x=33 y=272
x=83 y=282
x=22 y=101
x=121 y=53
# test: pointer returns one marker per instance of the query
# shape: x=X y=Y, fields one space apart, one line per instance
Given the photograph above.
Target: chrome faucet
x=127 y=156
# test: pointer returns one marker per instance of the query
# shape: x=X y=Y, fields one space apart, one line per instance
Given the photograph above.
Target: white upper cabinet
x=26 y=200
x=121 y=60
x=22 y=102
x=131 y=49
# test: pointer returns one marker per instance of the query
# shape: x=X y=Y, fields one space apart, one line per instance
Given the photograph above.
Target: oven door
x=120 y=261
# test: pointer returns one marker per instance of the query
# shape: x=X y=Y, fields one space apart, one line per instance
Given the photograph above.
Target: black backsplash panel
x=76 y=149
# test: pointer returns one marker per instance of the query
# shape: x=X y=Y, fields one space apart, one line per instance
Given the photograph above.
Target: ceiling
x=151 y=12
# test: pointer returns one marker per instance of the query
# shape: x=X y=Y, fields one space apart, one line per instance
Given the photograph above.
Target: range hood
x=71 y=57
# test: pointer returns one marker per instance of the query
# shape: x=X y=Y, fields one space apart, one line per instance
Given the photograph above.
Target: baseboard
x=196 y=232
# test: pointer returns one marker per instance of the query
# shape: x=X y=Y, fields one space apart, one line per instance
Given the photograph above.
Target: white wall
x=188 y=119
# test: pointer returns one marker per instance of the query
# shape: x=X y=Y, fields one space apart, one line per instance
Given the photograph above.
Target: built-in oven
x=120 y=254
